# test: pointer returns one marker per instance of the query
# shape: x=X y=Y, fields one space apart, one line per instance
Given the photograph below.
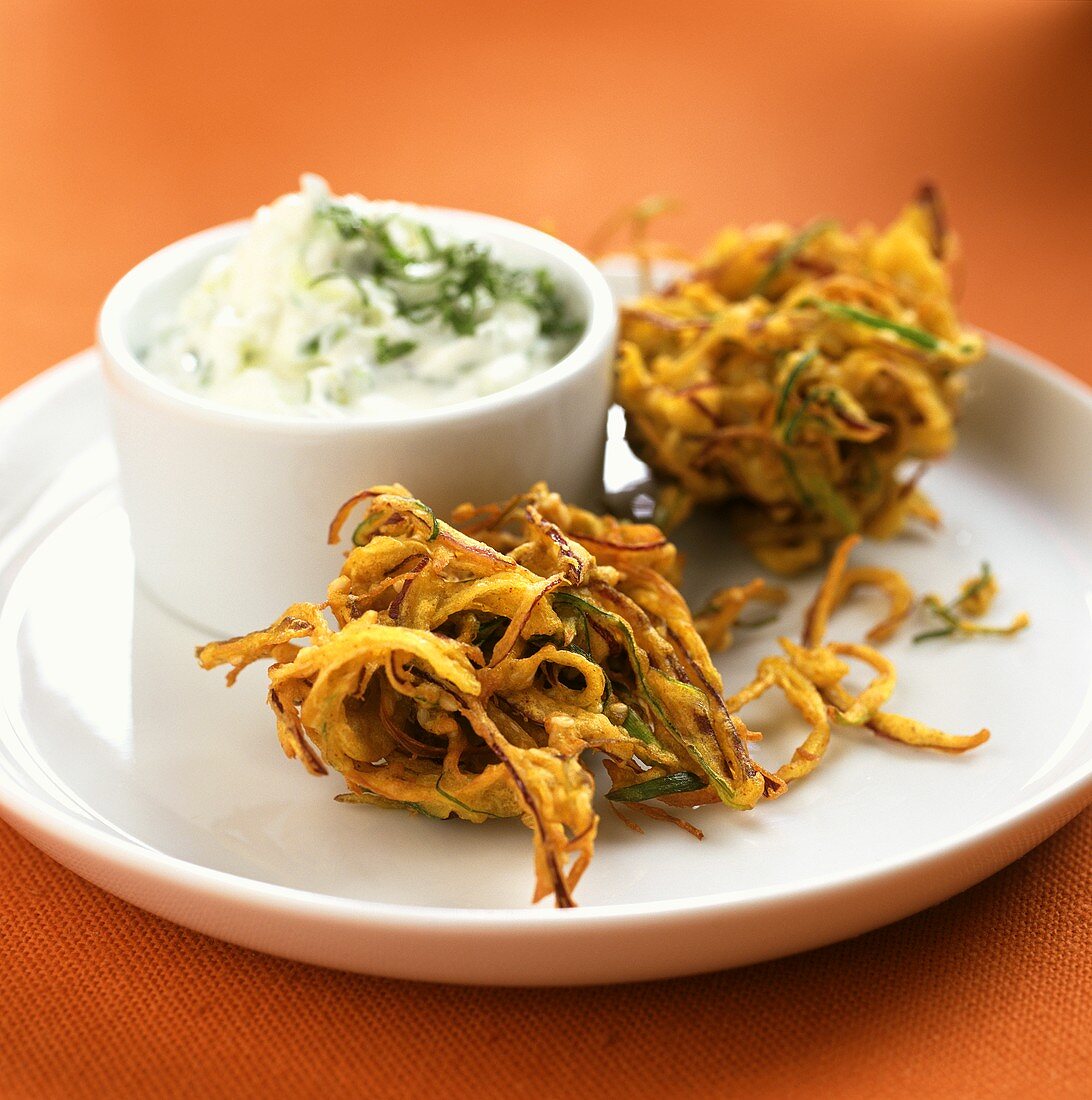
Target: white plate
x=125 y=762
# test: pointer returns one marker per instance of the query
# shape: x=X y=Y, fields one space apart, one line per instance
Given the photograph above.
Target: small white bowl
x=229 y=508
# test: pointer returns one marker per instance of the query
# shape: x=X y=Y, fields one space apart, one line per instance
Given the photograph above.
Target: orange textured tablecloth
x=125 y=125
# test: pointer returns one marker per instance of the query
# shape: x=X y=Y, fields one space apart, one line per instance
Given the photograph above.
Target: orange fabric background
x=124 y=125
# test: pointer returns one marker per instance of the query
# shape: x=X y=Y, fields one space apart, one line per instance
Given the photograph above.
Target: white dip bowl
x=229 y=508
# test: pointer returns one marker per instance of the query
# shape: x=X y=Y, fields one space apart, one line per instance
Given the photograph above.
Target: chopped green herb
x=824 y=396
x=817 y=493
x=417 y=807
x=435 y=533
x=491 y=631
x=798 y=418
x=831 y=503
x=458 y=284
x=947 y=612
x=984 y=578
x=327 y=335
x=794 y=477
x=451 y=798
x=250 y=355
x=874 y=320
x=311 y=345
x=926 y=635
x=799 y=367
x=387 y=352
x=365 y=527
x=635 y=726
x=676 y=783
x=789 y=250
x=581 y=642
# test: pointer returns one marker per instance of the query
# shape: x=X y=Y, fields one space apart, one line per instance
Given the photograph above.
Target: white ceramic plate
x=124 y=761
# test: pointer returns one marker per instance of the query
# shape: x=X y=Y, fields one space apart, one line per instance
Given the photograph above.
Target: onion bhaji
x=472 y=668
x=794 y=373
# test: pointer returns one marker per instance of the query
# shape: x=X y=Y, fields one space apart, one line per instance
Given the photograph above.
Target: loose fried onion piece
x=722 y=613
x=974 y=600
x=635 y=221
x=841 y=580
x=474 y=667
x=793 y=372
x=892 y=583
x=803 y=695
x=820 y=670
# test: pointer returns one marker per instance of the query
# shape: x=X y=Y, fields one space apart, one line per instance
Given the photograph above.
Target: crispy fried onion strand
x=822 y=669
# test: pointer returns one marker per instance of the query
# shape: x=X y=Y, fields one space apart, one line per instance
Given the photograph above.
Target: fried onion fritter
x=794 y=372
x=472 y=668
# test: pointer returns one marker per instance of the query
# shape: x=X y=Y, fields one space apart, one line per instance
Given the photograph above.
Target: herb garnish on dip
x=339 y=307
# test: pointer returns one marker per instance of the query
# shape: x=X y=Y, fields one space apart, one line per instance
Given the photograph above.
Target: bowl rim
x=124 y=367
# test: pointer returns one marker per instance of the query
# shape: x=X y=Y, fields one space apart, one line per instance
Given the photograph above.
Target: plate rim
x=21 y=807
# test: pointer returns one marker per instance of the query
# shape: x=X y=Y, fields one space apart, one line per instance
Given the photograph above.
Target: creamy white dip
x=339 y=307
